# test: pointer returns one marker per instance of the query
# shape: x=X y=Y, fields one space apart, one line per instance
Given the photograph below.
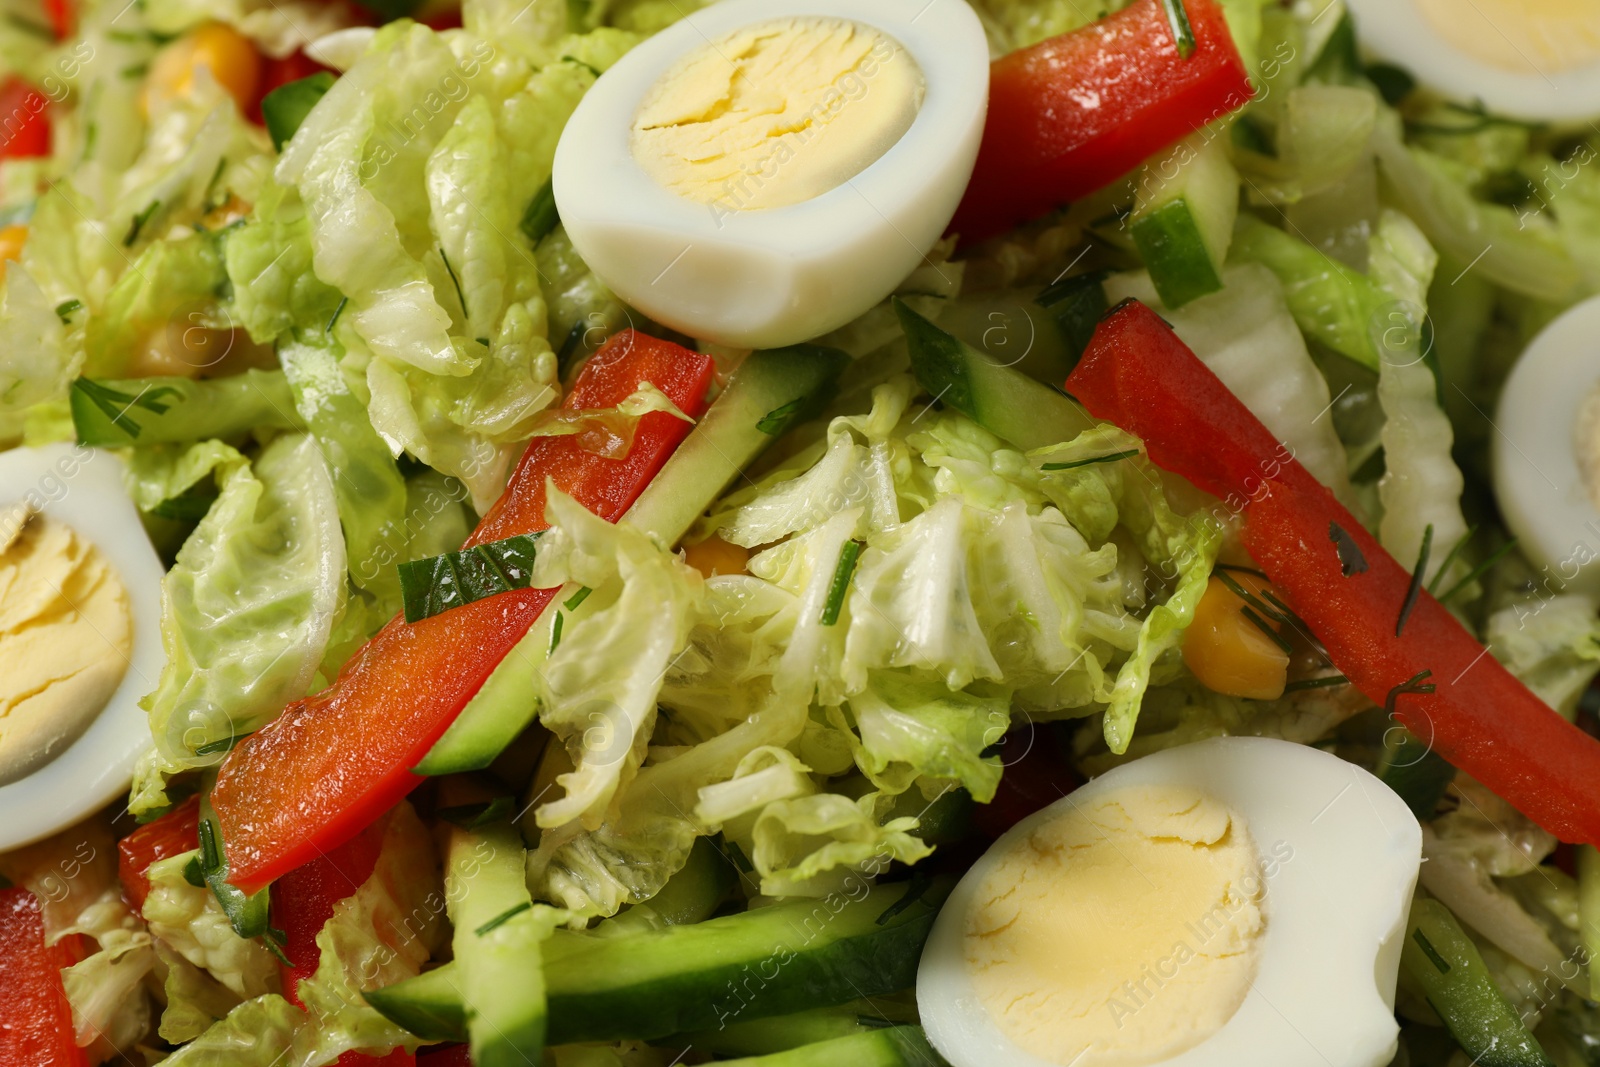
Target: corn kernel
x=233 y=61
x=1227 y=652
x=716 y=556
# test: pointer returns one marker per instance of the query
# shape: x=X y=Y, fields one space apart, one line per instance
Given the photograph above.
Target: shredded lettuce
x=246 y=610
x=194 y=999
x=1247 y=335
x=1552 y=645
x=110 y=1010
x=597 y=691
x=808 y=846
x=190 y=921
x=1421 y=485
x=36 y=365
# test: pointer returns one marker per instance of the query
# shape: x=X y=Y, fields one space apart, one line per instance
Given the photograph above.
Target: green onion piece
x=1266 y=627
x=1316 y=683
x=343 y=300
x=439 y=583
x=841 y=581
x=477 y=816
x=1182 y=32
x=1075 y=464
x=193 y=873
x=590 y=67
x=1351 y=561
x=222 y=744
x=542 y=215
x=1414 y=590
x=287 y=106
x=65 y=309
x=246 y=914
x=555 y=632
x=577 y=598
x=504 y=917
x=460 y=296
x=1480 y=570
x=139 y=222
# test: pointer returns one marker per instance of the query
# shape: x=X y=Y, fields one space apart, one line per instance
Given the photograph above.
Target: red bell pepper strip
x=332 y=763
x=1074 y=113
x=1138 y=374
x=24 y=121
x=35 y=1018
x=175 y=833
x=63 y=17
x=303 y=902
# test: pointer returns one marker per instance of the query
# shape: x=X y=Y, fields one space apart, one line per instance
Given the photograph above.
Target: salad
x=799 y=532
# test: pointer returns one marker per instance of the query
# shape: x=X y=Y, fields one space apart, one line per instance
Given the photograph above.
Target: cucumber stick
x=1183 y=218
x=769 y=392
x=497 y=946
x=896 y=1046
x=429 y=1006
x=651 y=984
x=1441 y=958
x=1001 y=399
x=761 y=1037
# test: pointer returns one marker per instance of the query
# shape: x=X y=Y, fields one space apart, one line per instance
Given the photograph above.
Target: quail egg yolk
x=1522 y=36
x=1121 y=933
x=776 y=113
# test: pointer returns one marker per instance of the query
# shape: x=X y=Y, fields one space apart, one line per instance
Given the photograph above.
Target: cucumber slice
x=896 y=1046
x=428 y=1005
x=501 y=709
x=1001 y=399
x=1183 y=218
x=771 y=391
x=761 y=1037
x=497 y=945
x=652 y=984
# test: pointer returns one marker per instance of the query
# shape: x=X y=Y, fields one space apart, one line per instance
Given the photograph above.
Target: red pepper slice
x=332 y=763
x=1139 y=375
x=303 y=902
x=173 y=834
x=1074 y=113
x=25 y=131
x=63 y=17
x=35 y=1018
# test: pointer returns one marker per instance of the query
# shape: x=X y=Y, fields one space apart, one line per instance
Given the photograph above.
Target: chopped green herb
x=211 y=748
x=555 y=632
x=778 y=419
x=1267 y=628
x=1413 y=686
x=439 y=583
x=1316 y=683
x=1182 y=32
x=542 y=215
x=193 y=873
x=343 y=300
x=1455 y=552
x=577 y=598
x=65 y=309
x=1351 y=561
x=504 y=917
x=460 y=296
x=1075 y=464
x=590 y=67
x=1439 y=962
x=1480 y=570
x=286 y=107
x=917 y=887
x=841 y=581
x=740 y=860
x=115 y=404
x=246 y=914
x=1414 y=590
x=139 y=222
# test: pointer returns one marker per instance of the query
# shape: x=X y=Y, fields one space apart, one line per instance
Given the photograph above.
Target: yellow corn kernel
x=1227 y=652
x=233 y=61
x=12 y=238
x=716 y=556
